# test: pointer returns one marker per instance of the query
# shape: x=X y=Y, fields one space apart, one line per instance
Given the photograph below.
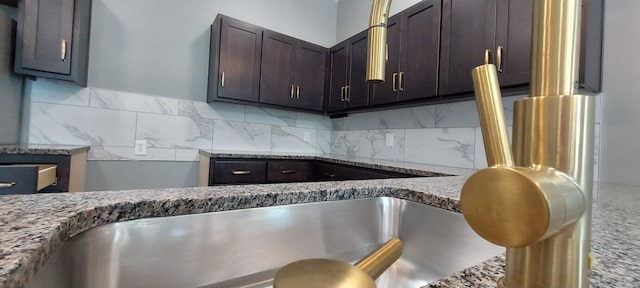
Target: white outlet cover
x=389 y=140
x=140 y=148
x=307 y=136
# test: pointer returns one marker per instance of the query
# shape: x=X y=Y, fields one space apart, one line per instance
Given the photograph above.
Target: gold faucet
x=535 y=201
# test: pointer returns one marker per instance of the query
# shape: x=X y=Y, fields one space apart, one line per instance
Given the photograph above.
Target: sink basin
x=245 y=248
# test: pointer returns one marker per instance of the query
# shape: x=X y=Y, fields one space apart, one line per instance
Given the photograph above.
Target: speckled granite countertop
x=32 y=226
x=42 y=149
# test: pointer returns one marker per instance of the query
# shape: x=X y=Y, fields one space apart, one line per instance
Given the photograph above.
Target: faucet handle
x=491 y=113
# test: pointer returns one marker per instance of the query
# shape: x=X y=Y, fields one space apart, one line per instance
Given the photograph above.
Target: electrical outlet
x=389 y=140
x=307 y=136
x=141 y=148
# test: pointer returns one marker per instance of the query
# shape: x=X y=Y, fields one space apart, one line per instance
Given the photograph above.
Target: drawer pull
x=7 y=185
x=329 y=175
x=241 y=172
x=289 y=171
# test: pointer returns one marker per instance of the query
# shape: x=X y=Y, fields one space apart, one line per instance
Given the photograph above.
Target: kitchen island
x=33 y=226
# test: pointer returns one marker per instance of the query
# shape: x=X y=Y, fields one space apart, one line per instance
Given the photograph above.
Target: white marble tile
x=57 y=92
x=270 y=116
x=345 y=143
x=118 y=100
x=230 y=135
x=337 y=124
x=596 y=153
x=456 y=115
x=291 y=139
x=373 y=145
x=167 y=131
x=323 y=141
x=480 y=159
x=127 y=153
x=599 y=108
x=314 y=121
x=507 y=103
x=363 y=121
x=187 y=155
x=452 y=147
x=216 y=110
x=409 y=118
x=74 y=125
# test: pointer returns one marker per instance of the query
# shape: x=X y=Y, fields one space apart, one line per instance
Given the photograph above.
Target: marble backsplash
x=110 y=122
x=445 y=135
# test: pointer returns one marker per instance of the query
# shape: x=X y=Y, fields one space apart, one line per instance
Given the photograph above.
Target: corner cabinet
x=234 y=60
x=348 y=87
x=252 y=65
x=53 y=39
x=413 y=43
x=292 y=72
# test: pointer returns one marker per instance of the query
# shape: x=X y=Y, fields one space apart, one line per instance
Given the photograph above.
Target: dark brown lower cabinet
x=238 y=172
x=288 y=171
x=337 y=172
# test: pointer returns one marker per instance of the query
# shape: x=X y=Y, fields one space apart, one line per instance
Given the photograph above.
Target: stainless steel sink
x=244 y=248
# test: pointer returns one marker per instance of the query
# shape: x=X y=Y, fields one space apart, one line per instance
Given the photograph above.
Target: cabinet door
x=47 y=35
x=358 y=87
x=468 y=29
x=240 y=51
x=310 y=75
x=420 y=48
x=513 y=41
x=276 y=77
x=387 y=91
x=339 y=59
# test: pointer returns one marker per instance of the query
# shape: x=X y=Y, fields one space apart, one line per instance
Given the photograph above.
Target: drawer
x=289 y=171
x=26 y=179
x=239 y=172
x=335 y=172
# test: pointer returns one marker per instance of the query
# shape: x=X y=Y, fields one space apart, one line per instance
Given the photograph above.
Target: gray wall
x=621 y=102
x=10 y=87
x=125 y=175
x=161 y=47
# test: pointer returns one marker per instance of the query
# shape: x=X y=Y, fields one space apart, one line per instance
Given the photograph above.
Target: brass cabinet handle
x=291 y=92
x=297 y=92
x=342 y=93
x=487 y=56
x=222 y=79
x=289 y=171
x=7 y=185
x=347 y=97
x=499 y=58
x=400 y=82
x=329 y=175
x=393 y=82
x=241 y=172
x=63 y=50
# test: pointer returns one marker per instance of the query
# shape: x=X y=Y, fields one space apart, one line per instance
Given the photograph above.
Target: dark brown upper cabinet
x=413 y=43
x=234 y=61
x=348 y=87
x=292 y=72
x=53 y=39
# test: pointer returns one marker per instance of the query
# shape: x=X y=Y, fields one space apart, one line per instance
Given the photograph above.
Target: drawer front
x=239 y=172
x=18 y=180
x=333 y=172
x=289 y=171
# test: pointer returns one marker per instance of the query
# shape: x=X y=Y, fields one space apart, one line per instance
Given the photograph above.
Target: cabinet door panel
x=386 y=92
x=339 y=65
x=240 y=53
x=420 y=50
x=276 y=77
x=513 y=33
x=310 y=73
x=468 y=29
x=47 y=35
x=358 y=92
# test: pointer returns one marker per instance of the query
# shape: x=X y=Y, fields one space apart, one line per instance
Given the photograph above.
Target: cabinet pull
x=499 y=58
x=241 y=172
x=298 y=92
x=291 y=92
x=393 y=82
x=7 y=185
x=347 y=96
x=63 y=50
x=400 y=81
x=289 y=171
x=487 y=56
x=329 y=175
x=342 y=94
x=222 y=79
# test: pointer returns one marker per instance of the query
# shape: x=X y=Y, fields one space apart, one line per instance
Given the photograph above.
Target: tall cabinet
x=348 y=87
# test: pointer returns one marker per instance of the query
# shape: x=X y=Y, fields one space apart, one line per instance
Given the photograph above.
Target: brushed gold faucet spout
x=377 y=49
